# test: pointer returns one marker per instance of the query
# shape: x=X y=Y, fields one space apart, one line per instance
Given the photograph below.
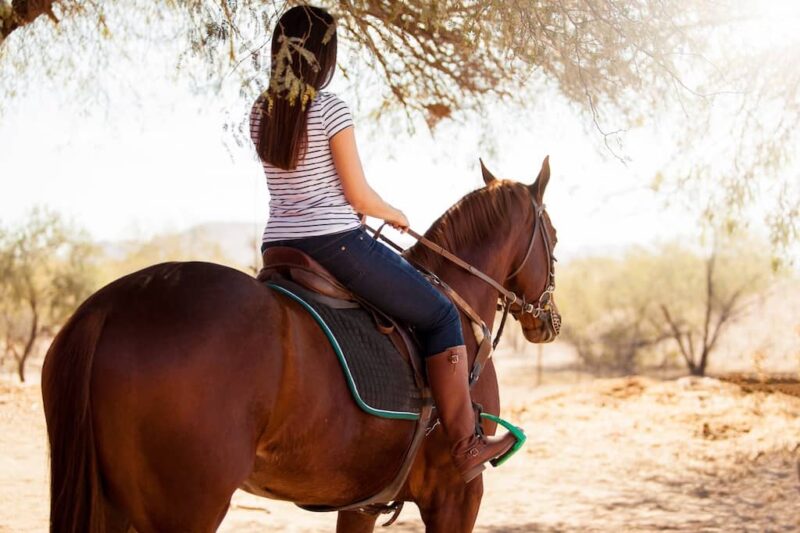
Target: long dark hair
x=303 y=62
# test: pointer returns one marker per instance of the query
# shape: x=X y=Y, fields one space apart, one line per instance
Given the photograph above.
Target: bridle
x=542 y=308
x=544 y=299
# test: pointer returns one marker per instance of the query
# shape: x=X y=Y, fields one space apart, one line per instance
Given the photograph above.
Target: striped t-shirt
x=308 y=200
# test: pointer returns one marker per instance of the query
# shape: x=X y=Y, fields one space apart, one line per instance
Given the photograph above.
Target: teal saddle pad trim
x=351 y=383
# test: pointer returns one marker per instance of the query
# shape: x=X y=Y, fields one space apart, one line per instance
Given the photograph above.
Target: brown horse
x=173 y=386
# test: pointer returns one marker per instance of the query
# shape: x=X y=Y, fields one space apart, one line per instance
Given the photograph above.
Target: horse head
x=532 y=276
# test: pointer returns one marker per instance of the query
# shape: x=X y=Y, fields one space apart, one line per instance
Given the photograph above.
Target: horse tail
x=76 y=499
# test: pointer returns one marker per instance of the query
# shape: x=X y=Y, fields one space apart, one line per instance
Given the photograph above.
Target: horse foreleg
x=452 y=508
x=355 y=522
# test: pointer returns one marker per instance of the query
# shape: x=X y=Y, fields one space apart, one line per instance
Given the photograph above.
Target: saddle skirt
x=380 y=358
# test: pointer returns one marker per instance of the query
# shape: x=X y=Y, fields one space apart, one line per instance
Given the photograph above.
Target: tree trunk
x=34 y=332
x=539 y=349
x=701 y=368
x=21 y=369
x=22 y=13
x=697 y=370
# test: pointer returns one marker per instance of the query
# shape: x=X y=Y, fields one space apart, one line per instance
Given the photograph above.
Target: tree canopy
x=729 y=91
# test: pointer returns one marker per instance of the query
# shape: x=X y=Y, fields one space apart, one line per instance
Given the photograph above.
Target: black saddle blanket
x=380 y=379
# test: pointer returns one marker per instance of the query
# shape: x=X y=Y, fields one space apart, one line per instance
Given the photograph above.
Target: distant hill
x=238 y=241
x=234 y=243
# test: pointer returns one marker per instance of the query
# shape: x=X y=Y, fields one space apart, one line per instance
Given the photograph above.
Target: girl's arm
x=357 y=191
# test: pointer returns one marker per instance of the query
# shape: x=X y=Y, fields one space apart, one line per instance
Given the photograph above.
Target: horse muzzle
x=546 y=330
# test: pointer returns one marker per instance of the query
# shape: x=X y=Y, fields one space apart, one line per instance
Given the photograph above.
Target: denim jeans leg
x=387 y=280
x=393 y=285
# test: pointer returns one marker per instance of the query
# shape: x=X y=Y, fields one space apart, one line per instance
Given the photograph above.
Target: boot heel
x=500 y=459
x=472 y=473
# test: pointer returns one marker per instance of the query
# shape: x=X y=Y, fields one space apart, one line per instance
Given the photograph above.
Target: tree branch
x=21 y=13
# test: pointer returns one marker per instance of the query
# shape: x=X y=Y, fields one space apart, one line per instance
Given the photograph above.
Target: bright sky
x=159 y=163
x=164 y=166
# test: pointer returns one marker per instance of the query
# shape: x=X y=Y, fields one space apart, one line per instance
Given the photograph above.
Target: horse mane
x=471 y=220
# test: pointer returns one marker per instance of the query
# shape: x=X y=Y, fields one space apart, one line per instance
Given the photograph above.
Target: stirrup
x=517 y=432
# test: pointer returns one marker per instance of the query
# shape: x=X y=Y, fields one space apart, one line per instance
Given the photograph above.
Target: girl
x=304 y=138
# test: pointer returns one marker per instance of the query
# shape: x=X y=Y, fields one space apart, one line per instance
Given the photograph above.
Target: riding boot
x=470 y=449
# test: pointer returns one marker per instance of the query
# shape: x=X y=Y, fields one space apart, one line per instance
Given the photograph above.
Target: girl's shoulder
x=323 y=99
x=324 y=95
x=332 y=112
x=326 y=99
x=259 y=105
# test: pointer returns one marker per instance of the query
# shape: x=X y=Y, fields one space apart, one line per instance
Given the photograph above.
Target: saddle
x=287 y=263
x=385 y=378
x=303 y=269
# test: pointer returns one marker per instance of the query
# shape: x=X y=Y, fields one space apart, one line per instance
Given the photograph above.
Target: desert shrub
x=46 y=270
x=671 y=303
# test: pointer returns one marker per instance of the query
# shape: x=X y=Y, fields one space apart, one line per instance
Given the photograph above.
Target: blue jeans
x=384 y=278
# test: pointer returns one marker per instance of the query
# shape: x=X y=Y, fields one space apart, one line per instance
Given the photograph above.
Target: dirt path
x=623 y=454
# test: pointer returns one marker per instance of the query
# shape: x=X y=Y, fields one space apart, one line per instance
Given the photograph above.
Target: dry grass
x=630 y=454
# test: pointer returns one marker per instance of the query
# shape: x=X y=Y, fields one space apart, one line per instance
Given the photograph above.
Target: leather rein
x=509 y=300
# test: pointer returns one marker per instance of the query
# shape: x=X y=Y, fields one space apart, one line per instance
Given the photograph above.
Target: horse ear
x=488 y=177
x=538 y=186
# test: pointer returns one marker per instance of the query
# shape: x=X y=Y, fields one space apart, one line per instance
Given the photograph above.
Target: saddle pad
x=380 y=379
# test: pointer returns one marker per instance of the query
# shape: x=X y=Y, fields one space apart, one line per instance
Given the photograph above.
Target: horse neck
x=492 y=258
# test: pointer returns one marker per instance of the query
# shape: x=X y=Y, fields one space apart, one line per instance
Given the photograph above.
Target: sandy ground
x=629 y=454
